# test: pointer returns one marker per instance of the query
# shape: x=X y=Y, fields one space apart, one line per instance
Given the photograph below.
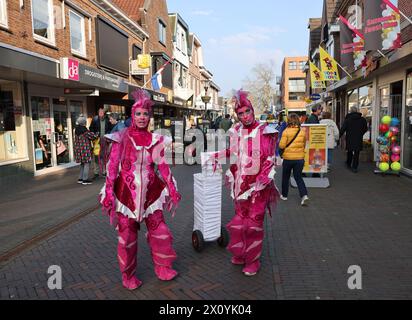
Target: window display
x=12 y=126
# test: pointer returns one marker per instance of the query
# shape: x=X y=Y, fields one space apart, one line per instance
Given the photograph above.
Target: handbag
x=282 y=151
x=61 y=147
x=96 y=147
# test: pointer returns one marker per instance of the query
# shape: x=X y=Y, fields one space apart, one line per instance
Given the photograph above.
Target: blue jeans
x=330 y=156
x=297 y=167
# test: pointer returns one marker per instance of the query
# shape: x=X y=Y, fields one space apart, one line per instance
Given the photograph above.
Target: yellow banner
x=329 y=66
x=144 y=61
x=316 y=152
x=316 y=77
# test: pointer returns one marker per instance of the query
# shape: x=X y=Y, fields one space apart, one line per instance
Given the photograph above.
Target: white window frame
x=52 y=39
x=82 y=18
x=3 y=14
x=161 y=31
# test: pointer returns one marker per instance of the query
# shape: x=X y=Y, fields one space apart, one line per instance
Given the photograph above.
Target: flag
x=157 y=82
x=316 y=77
x=352 y=43
x=329 y=66
x=382 y=25
x=156 y=79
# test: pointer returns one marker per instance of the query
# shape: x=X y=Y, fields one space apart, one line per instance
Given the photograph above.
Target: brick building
x=68 y=57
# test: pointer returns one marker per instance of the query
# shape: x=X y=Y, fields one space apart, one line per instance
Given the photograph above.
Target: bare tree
x=262 y=86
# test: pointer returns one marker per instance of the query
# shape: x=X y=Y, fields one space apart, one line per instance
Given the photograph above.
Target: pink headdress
x=142 y=100
x=241 y=100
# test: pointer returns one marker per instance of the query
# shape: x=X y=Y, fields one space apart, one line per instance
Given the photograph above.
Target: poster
x=316 y=153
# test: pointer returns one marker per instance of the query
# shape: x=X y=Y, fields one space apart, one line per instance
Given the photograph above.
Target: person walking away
x=100 y=126
x=354 y=126
x=82 y=149
x=314 y=117
x=293 y=145
x=332 y=132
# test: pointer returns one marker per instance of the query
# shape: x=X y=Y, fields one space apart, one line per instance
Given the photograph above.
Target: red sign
x=73 y=69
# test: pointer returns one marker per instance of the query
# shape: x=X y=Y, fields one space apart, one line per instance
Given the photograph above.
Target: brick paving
x=362 y=219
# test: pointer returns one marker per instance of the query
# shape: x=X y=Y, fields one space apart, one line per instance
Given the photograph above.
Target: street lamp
x=206 y=98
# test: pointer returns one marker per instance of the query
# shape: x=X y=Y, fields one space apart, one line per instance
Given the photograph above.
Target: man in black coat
x=355 y=126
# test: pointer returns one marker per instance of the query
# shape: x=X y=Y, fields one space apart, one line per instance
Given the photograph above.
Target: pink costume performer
x=134 y=192
x=251 y=178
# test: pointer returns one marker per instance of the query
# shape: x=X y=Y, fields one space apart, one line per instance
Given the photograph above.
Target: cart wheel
x=223 y=240
x=197 y=240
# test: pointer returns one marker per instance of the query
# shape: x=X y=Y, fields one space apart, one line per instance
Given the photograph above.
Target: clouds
x=240 y=52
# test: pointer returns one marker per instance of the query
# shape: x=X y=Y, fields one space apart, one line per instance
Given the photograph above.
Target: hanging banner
x=352 y=45
x=382 y=25
x=329 y=66
x=316 y=77
x=316 y=152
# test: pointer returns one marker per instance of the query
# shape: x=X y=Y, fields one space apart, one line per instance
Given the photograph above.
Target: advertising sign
x=316 y=153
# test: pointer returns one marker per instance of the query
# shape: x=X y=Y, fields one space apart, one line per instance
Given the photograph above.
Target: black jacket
x=355 y=126
x=95 y=125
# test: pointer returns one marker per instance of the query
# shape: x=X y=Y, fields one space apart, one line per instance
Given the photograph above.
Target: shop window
x=42 y=131
x=77 y=34
x=13 y=142
x=43 y=27
x=362 y=98
x=3 y=13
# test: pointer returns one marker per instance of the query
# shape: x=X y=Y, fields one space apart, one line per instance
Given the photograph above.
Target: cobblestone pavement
x=362 y=219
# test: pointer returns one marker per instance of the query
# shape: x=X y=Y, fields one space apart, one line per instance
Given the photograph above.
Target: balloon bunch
x=388 y=140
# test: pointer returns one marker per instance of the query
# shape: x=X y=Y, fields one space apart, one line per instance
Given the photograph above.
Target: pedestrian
x=332 y=131
x=117 y=125
x=281 y=126
x=226 y=123
x=293 y=145
x=139 y=186
x=314 y=117
x=251 y=179
x=100 y=126
x=82 y=149
x=354 y=126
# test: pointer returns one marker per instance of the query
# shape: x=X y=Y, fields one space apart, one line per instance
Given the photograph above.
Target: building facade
x=293 y=84
x=54 y=67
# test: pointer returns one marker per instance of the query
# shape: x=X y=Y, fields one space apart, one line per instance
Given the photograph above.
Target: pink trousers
x=246 y=234
x=159 y=239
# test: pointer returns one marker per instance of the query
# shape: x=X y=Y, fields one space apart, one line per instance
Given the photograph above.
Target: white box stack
x=208 y=202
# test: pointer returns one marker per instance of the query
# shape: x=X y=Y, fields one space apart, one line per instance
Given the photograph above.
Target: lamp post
x=206 y=98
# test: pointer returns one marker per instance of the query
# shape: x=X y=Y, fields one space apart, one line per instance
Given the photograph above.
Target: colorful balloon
x=383 y=128
x=394 y=130
x=394 y=139
x=388 y=134
x=384 y=149
x=384 y=157
x=395 y=122
x=395 y=158
x=396 y=150
x=382 y=140
x=383 y=166
x=386 y=120
x=396 y=166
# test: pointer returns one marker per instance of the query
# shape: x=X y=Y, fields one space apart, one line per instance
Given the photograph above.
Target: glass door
x=61 y=131
x=42 y=132
x=407 y=128
x=76 y=108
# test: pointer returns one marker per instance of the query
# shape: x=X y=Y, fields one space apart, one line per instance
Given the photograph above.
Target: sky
x=237 y=34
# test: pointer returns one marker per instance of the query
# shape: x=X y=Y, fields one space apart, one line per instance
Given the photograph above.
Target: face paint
x=246 y=115
x=141 y=118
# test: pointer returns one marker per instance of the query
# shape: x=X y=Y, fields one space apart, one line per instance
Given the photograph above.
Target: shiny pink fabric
x=159 y=239
x=253 y=191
